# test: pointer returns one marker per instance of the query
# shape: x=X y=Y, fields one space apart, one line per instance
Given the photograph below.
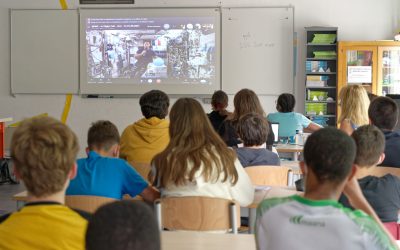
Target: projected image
x=151 y=50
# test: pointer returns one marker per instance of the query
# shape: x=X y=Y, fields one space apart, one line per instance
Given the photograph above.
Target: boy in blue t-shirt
x=102 y=173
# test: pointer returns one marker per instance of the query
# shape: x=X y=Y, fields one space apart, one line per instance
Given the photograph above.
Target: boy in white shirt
x=317 y=220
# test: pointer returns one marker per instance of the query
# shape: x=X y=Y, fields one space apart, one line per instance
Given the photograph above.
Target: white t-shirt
x=242 y=191
x=298 y=223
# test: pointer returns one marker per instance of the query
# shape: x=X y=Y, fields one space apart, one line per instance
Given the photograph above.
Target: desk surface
x=209 y=241
x=289 y=148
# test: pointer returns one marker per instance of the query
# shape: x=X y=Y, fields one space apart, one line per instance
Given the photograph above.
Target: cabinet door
x=357 y=66
x=388 y=70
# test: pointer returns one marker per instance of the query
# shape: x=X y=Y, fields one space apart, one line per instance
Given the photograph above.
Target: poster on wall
x=359 y=74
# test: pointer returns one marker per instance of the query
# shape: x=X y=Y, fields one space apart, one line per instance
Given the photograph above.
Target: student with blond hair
x=44 y=151
x=196 y=161
x=354 y=103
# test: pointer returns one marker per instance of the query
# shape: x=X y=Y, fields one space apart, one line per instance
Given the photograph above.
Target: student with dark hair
x=149 y=135
x=253 y=130
x=43 y=151
x=290 y=121
x=102 y=173
x=328 y=166
x=123 y=225
x=219 y=103
x=383 y=193
x=383 y=113
x=245 y=101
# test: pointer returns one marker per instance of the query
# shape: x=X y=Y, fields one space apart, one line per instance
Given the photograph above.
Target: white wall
x=356 y=19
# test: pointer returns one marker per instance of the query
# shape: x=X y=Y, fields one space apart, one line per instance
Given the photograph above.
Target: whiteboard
x=257 y=50
x=44 y=52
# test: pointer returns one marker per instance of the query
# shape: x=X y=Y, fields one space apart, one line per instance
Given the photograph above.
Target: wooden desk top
x=262 y=194
x=209 y=241
x=288 y=148
x=23 y=196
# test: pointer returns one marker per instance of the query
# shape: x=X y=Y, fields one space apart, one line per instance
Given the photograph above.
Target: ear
x=115 y=150
x=381 y=158
x=303 y=167
x=370 y=122
x=73 y=172
x=353 y=172
x=87 y=150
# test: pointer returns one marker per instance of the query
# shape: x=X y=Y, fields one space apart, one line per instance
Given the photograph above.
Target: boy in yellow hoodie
x=149 y=135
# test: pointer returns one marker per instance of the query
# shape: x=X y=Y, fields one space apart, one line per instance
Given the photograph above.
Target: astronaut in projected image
x=144 y=56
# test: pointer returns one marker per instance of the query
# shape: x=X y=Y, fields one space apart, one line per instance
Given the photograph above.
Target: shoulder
x=272 y=116
x=270 y=203
x=85 y=215
x=4 y=217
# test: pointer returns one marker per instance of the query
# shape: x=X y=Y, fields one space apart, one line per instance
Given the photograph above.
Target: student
x=219 y=102
x=317 y=220
x=383 y=193
x=253 y=129
x=123 y=225
x=197 y=162
x=102 y=173
x=43 y=151
x=245 y=101
x=383 y=113
x=141 y=141
x=288 y=120
x=354 y=103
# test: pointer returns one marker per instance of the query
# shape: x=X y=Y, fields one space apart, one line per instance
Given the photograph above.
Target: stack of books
x=317 y=81
x=324 y=38
x=316 y=66
x=325 y=54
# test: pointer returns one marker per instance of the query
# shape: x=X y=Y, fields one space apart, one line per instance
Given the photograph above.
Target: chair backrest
x=142 y=168
x=269 y=175
x=381 y=171
x=86 y=203
x=196 y=213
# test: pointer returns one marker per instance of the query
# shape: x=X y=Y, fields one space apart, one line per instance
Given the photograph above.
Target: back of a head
x=252 y=129
x=219 y=100
x=102 y=135
x=286 y=103
x=123 y=225
x=383 y=113
x=246 y=101
x=330 y=154
x=370 y=143
x=354 y=103
x=154 y=103
x=44 y=151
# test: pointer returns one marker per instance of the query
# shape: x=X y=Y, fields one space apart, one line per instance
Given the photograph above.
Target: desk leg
x=252 y=219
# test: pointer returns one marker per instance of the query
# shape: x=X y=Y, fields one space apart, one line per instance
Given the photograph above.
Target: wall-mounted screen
x=132 y=51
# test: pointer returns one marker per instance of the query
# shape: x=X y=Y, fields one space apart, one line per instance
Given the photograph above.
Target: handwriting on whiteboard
x=249 y=42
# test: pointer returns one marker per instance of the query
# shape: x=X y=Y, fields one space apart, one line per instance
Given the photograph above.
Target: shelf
x=320 y=73
x=320 y=59
x=320 y=101
x=321 y=115
x=326 y=87
x=321 y=44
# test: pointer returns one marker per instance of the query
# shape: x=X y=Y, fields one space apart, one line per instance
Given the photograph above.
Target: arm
x=243 y=190
x=312 y=127
x=357 y=200
x=345 y=126
x=150 y=194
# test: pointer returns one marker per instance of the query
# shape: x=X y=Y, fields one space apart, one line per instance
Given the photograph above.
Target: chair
x=196 y=213
x=87 y=203
x=142 y=168
x=381 y=171
x=393 y=228
x=269 y=175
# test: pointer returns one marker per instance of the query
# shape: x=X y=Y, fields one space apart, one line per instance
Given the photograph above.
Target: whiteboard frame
x=294 y=47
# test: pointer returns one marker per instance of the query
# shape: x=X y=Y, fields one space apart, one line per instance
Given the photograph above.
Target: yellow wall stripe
x=68 y=98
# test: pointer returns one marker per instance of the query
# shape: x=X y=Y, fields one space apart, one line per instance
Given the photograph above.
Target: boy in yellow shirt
x=44 y=152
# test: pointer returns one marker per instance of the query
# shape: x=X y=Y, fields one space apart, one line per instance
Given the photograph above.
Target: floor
x=6 y=193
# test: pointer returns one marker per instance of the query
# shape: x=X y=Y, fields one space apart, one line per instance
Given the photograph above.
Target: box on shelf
x=324 y=38
x=316 y=66
x=316 y=108
x=317 y=81
x=325 y=54
x=315 y=95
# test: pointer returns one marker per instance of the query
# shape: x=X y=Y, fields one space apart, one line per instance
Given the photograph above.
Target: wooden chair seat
x=196 y=213
x=87 y=203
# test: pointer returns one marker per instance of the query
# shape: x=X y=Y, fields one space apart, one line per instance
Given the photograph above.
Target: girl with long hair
x=196 y=161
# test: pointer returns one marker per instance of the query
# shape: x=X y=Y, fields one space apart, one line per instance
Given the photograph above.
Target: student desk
x=206 y=241
x=262 y=193
x=290 y=148
x=20 y=198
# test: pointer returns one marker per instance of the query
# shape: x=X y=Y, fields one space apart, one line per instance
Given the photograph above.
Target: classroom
x=358 y=23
